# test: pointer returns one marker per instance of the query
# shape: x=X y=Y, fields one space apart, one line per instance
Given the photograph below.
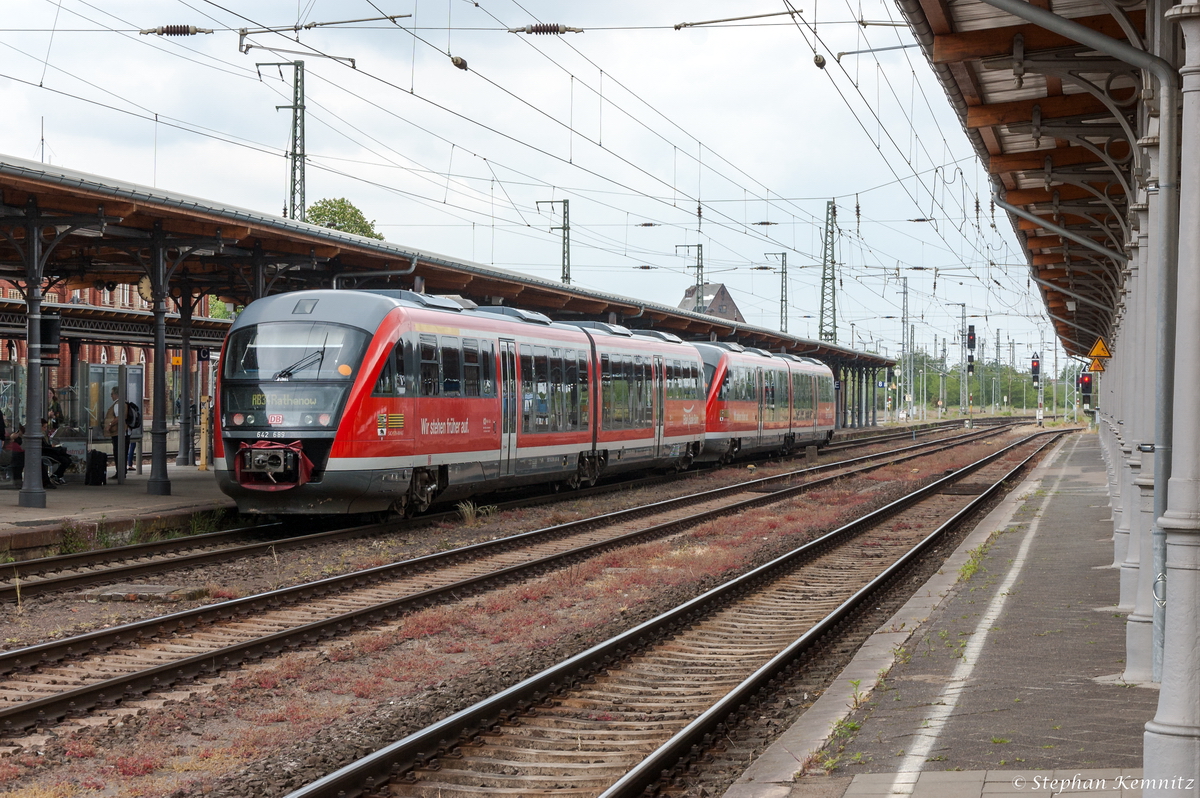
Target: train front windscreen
x=281 y=377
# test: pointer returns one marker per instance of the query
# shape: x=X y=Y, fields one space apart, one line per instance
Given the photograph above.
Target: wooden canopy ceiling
x=107 y=231
x=1057 y=126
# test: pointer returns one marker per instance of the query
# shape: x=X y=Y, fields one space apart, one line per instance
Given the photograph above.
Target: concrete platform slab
x=994 y=682
x=111 y=511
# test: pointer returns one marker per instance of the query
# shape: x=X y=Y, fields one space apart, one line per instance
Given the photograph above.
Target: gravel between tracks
x=59 y=615
x=268 y=728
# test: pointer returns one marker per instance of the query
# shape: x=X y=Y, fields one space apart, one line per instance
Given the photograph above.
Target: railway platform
x=111 y=511
x=1004 y=684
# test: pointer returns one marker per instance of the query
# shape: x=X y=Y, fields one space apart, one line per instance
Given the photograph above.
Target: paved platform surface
x=1010 y=683
x=192 y=491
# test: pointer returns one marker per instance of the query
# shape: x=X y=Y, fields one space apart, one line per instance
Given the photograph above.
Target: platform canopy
x=1057 y=126
x=108 y=230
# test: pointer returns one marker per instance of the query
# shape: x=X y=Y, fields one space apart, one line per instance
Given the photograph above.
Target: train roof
x=355 y=308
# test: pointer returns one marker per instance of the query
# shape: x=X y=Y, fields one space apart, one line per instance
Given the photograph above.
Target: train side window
x=471 y=382
x=584 y=393
x=631 y=401
x=526 y=388
x=697 y=386
x=391 y=380
x=571 y=388
x=557 y=391
x=487 y=368
x=386 y=384
x=646 y=392
x=451 y=366
x=621 y=398
x=606 y=392
x=541 y=389
x=431 y=378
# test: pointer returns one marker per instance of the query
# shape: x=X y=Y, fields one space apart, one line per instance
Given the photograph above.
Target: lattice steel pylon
x=296 y=207
x=828 y=320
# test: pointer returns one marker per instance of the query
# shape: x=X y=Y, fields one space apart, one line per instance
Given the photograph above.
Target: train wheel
x=685 y=462
x=420 y=493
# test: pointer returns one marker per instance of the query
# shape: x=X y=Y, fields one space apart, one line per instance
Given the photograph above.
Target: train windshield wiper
x=312 y=357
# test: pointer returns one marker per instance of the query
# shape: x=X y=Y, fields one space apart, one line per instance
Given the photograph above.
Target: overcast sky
x=633 y=121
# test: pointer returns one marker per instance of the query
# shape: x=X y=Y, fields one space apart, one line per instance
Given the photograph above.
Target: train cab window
x=431 y=377
x=471 y=378
x=451 y=366
x=527 y=388
x=392 y=381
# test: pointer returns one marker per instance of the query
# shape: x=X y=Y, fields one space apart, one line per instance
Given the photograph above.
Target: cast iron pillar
x=1138 y=625
x=159 y=483
x=1172 y=741
x=186 y=456
x=1132 y=414
x=32 y=493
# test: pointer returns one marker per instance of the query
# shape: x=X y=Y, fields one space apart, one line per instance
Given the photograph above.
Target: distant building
x=715 y=302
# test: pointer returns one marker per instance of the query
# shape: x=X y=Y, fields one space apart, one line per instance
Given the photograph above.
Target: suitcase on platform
x=97 y=468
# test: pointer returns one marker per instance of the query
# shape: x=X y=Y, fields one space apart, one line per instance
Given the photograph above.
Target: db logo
x=275 y=418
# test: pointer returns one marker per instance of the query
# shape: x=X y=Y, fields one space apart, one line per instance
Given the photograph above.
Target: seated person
x=55 y=452
x=17 y=447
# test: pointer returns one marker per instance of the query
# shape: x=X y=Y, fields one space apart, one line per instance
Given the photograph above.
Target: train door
x=659 y=400
x=508 y=407
x=762 y=390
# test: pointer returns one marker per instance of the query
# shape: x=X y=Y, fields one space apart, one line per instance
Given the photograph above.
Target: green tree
x=341 y=214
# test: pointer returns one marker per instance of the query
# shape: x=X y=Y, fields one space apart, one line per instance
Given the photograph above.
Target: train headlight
x=325 y=418
x=238 y=419
x=307 y=419
x=250 y=419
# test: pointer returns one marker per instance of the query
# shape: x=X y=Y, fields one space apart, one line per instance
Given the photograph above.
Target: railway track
x=125 y=563
x=637 y=712
x=42 y=684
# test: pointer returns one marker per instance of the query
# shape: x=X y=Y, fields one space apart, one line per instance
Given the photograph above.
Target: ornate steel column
x=159 y=483
x=32 y=493
x=186 y=456
x=1172 y=741
x=35 y=251
x=1140 y=354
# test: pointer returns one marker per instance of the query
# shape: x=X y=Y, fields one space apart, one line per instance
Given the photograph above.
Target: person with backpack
x=133 y=420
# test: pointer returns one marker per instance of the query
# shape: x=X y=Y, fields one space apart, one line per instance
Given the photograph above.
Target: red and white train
x=369 y=401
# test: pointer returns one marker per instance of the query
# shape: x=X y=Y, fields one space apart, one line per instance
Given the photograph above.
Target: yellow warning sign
x=1099 y=349
x=1097 y=365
